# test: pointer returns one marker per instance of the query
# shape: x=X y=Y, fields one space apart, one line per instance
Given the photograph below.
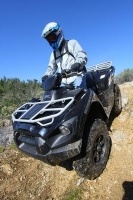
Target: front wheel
x=97 y=151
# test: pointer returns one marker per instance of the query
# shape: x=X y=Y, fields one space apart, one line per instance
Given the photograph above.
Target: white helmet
x=53 y=34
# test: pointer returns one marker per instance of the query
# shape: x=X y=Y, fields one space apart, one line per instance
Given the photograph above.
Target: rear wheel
x=117 y=108
x=97 y=151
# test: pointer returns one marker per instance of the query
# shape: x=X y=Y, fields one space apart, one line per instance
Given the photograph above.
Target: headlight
x=65 y=130
x=43 y=131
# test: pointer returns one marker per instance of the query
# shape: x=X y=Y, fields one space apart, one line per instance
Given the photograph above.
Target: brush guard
x=43 y=112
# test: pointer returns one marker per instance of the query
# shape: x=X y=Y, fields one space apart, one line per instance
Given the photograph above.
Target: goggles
x=52 y=37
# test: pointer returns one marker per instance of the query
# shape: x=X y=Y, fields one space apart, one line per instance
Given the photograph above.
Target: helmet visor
x=52 y=37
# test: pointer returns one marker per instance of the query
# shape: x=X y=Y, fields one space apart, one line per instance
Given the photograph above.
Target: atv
x=69 y=127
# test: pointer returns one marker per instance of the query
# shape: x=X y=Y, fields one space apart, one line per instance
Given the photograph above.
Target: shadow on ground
x=128 y=190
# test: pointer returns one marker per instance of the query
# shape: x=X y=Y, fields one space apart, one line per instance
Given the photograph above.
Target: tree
x=13 y=93
x=125 y=76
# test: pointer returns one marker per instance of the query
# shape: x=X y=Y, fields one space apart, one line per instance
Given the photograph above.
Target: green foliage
x=13 y=93
x=73 y=194
x=13 y=147
x=125 y=76
x=2 y=149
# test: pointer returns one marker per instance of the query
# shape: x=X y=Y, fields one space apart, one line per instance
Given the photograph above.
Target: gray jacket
x=65 y=59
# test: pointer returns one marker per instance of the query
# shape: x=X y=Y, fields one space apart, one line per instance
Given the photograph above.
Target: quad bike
x=69 y=127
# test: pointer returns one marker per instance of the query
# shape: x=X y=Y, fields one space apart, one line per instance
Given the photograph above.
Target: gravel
x=6 y=136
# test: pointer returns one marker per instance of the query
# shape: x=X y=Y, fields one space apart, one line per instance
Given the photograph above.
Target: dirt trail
x=24 y=178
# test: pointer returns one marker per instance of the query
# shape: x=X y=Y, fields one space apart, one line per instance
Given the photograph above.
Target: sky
x=104 y=29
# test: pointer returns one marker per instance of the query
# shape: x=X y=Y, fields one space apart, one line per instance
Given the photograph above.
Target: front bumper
x=55 y=156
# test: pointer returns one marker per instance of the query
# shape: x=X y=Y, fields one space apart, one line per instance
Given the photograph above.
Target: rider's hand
x=44 y=78
x=63 y=73
x=75 y=67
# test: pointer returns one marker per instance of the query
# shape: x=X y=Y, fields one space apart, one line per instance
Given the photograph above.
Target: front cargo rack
x=101 y=66
x=43 y=112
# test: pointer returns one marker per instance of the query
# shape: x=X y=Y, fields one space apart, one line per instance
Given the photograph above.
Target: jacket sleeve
x=52 y=66
x=79 y=54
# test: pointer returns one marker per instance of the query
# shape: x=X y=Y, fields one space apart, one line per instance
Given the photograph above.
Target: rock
x=81 y=180
x=131 y=83
x=124 y=101
x=6 y=168
x=6 y=135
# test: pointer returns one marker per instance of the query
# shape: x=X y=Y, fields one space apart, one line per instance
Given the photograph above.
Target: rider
x=67 y=56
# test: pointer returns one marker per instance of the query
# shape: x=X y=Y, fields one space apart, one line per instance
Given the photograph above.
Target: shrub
x=125 y=76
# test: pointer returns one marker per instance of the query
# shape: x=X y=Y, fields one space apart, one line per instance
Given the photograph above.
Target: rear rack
x=43 y=112
x=101 y=66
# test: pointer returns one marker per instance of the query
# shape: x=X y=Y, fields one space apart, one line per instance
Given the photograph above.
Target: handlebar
x=68 y=73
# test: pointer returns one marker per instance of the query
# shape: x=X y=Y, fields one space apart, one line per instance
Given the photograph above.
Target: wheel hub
x=98 y=149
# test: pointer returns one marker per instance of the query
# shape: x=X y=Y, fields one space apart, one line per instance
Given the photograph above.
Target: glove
x=58 y=79
x=75 y=67
x=63 y=73
x=44 y=78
